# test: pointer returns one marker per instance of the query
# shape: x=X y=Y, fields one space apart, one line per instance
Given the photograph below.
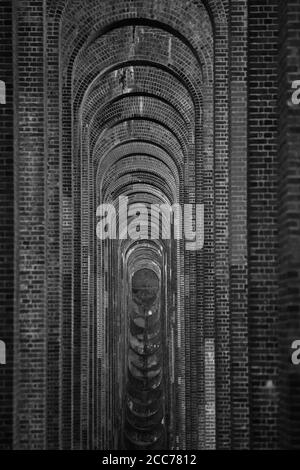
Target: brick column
x=53 y=237
x=289 y=222
x=262 y=220
x=238 y=257
x=30 y=315
x=7 y=223
x=222 y=311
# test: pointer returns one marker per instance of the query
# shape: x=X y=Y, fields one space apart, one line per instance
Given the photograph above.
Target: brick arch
x=148 y=177
x=204 y=152
x=139 y=192
x=148 y=81
x=217 y=312
x=187 y=74
x=159 y=71
x=140 y=108
x=215 y=9
x=139 y=166
x=140 y=130
x=139 y=37
x=138 y=99
x=179 y=70
x=130 y=148
x=196 y=15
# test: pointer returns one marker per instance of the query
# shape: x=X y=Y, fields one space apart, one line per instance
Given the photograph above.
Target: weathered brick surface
x=238 y=257
x=7 y=225
x=263 y=221
x=30 y=313
x=155 y=100
x=55 y=373
x=221 y=248
x=289 y=222
x=145 y=122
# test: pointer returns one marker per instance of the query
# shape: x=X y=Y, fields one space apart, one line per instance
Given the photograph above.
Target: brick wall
x=30 y=313
x=289 y=222
x=55 y=373
x=238 y=258
x=209 y=112
x=221 y=240
x=262 y=221
x=109 y=49
x=7 y=225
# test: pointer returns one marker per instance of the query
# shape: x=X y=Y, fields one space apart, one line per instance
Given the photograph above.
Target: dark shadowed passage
x=140 y=342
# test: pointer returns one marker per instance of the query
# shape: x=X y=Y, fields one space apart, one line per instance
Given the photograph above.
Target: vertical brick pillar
x=262 y=220
x=84 y=263
x=67 y=231
x=207 y=270
x=221 y=168
x=79 y=336
x=238 y=225
x=289 y=222
x=30 y=315
x=54 y=277
x=7 y=223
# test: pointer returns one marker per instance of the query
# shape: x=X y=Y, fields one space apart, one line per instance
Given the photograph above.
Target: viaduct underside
x=131 y=342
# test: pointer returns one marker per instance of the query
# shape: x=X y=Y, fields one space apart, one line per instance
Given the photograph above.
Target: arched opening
x=144 y=422
x=130 y=105
x=141 y=88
